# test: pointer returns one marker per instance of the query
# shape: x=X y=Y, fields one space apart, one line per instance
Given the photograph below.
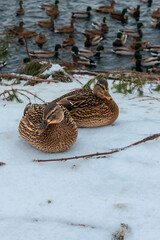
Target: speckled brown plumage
x=57 y=137
x=89 y=110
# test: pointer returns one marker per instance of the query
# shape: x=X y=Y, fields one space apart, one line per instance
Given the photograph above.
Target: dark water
x=34 y=13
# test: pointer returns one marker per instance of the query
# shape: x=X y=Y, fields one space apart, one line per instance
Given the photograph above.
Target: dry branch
x=152 y=137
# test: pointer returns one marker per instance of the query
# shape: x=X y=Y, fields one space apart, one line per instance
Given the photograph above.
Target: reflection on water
x=33 y=14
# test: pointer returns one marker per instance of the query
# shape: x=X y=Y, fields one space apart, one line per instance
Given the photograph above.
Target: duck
x=149 y=2
x=81 y=59
x=2 y=63
x=120 y=15
x=86 y=52
x=48 y=127
x=102 y=26
x=120 y=40
x=134 y=12
x=21 y=10
x=149 y=61
x=144 y=44
x=68 y=41
x=137 y=33
x=41 y=39
x=53 y=10
x=47 y=24
x=50 y=5
x=155 y=22
x=92 y=41
x=67 y=29
x=93 y=33
x=27 y=34
x=17 y=29
x=154 y=48
x=106 y=9
x=91 y=108
x=82 y=14
x=156 y=13
x=46 y=53
x=127 y=51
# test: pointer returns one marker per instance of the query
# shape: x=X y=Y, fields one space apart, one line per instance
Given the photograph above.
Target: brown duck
x=106 y=9
x=48 y=127
x=41 y=39
x=47 y=24
x=67 y=29
x=21 y=10
x=91 y=108
x=68 y=41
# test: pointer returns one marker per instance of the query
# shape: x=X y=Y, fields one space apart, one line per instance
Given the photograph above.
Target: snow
x=55 y=200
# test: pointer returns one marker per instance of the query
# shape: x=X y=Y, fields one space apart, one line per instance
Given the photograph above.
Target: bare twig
x=26 y=46
x=152 y=137
x=2 y=163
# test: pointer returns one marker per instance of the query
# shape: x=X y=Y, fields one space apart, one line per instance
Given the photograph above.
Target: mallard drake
x=149 y=61
x=92 y=41
x=134 y=12
x=154 y=48
x=68 y=41
x=48 y=127
x=17 y=29
x=50 y=5
x=135 y=32
x=149 y=2
x=156 y=13
x=2 y=63
x=21 y=10
x=101 y=25
x=48 y=24
x=91 y=108
x=155 y=23
x=106 y=9
x=46 y=53
x=81 y=59
x=82 y=14
x=120 y=40
x=120 y=15
x=128 y=51
x=41 y=39
x=143 y=43
x=67 y=29
x=89 y=52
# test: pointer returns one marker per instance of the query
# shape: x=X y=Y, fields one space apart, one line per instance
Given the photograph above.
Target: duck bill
x=134 y=59
x=107 y=96
x=104 y=50
x=42 y=127
x=22 y=63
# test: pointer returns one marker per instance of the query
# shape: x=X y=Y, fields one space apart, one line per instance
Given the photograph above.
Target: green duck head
x=75 y=50
x=138 y=8
x=138 y=46
x=124 y=11
x=89 y=9
x=138 y=55
x=119 y=35
x=101 y=48
x=56 y=2
x=25 y=60
x=139 y=25
x=57 y=47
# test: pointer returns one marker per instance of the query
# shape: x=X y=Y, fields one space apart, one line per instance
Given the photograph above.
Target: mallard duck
x=82 y=14
x=134 y=12
x=48 y=127
x=128 y=51
x=106 y=9
x=91 y=108
x=48 y=24
x=41 y=39
x=50 y=5
x=147 y=1
x=120 y=15
x=2 y=63
x=93 y=33
x=92 y=41
x=156 y=13
x=149 y=61
x=101 y=25
x=68 y=41
x=120 y=40
x=67 y=29
x=53 y=10
x=46 y=53
x=154 y=48
x=155 y=23
x=143 y=43
x=135 y=32
x=21 y=10
x=17 y=29
x=89 y=52
x=27 y=34
x=81 y=59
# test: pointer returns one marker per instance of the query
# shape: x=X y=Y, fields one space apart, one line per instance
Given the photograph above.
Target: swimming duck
x=120 y=40
x=2 y=63
x=154 y=48
x=91 y=108
x=120 y=15
x=50 y=5
x=21 y=10
x=156 y=13
x=48 y=127
x=155 y=22
x=135 y=32
x=149 y=61
x=53 y=10
x=143 y=43
x=127 y=51
x=86 y=52
x=48 y=24
x=81 y=59
x=101 y=25
x=41 y=39
x=92 y=41
x=147 y=1
x=67 y=29
x=93 y=33
x=134 y=12
x=27 y=34
x=106 y=9
x=17 y=29
x=68 y=41
x=82 y=14
x=46 y=53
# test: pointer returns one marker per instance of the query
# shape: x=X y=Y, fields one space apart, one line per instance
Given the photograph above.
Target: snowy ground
x=86 y=198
